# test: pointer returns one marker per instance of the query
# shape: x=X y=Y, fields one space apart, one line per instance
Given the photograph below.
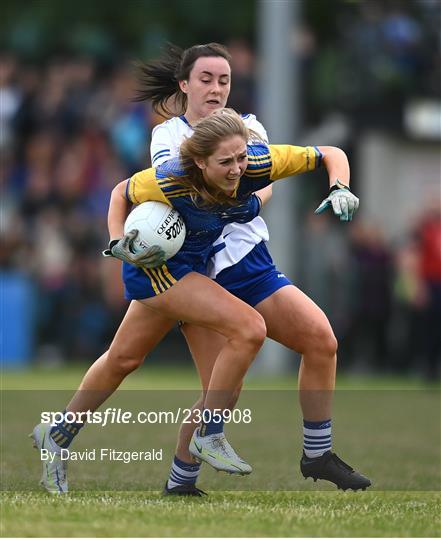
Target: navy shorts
x=140 y=283
x=254 y=278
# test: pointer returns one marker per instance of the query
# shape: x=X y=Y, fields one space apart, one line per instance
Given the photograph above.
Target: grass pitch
x=224 y=514
x=411 y=512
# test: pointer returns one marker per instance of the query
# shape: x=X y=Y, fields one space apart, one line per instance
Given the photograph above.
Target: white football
x=158 y=225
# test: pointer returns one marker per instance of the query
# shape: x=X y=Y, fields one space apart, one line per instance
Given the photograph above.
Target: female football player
x=192 y=83
x=213 y=188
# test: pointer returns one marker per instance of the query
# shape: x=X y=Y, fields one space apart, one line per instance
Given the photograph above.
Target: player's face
x=207 y=88
x=224 y=168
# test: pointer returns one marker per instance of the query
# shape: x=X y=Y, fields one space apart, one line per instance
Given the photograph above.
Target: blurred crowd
x=383 y=297
x=69 y=131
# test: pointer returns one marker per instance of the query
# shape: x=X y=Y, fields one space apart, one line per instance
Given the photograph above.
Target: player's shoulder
x=176 y=124
x=252 y=123
x=167 y=178
x=258 y=150
x=169 y=125
x=250 y=120
x=259 y=159
x=172 y=168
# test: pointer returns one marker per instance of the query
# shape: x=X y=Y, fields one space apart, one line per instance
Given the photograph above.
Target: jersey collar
x=182 y=117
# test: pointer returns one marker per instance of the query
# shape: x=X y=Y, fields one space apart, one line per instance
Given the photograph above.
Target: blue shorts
x=254 y=278
x=140 y=283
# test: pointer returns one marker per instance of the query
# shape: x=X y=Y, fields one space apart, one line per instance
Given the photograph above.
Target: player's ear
x=201 y=163
x=183 y=86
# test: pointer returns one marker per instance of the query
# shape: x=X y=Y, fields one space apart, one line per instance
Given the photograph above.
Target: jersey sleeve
x=143 y=186
x=161 y=145
x=287 y=160
x=252 y=123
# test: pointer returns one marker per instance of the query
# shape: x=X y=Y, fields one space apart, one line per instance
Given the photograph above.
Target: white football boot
x=54 y=477
x=217 y=452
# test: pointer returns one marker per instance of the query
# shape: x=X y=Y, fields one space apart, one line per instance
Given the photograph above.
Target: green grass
x=185 y=378
x=389 y=430
x=223 y=514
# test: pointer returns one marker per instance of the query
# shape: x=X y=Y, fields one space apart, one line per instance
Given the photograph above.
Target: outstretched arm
x=336 y=164
x=343 y=203
x=287 y=160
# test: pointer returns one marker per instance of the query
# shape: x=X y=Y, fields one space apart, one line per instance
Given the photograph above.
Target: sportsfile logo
x=113 y=415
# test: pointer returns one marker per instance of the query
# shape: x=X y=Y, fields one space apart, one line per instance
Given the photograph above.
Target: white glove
x=343 y=202
x=122 y=249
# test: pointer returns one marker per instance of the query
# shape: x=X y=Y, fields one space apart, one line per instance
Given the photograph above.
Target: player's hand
x=343 y=202
x=122 y=249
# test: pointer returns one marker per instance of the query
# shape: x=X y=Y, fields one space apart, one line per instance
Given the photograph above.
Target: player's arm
x=342 y=201
x=265 y=194
x=118 y=210
x=161 y=145
x=290 y=160
x=337 y=165
x=140 y=188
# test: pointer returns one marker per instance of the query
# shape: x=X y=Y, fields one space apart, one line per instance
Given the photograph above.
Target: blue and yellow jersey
x=266 y=163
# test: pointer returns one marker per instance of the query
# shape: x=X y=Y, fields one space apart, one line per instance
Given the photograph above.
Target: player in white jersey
x=237 y=239
x=292 y=319
x=196 y=81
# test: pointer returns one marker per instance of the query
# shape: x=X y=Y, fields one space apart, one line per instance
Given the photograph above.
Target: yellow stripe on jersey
x=253 y=158
x=289 y=160
x=143 y=187
x=181 y=193
x=169 y=183
x=259 y=172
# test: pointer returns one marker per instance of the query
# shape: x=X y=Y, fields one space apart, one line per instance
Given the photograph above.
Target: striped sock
x=316 y=438
x=215 y=424
x=63 y=432
x=183 y=473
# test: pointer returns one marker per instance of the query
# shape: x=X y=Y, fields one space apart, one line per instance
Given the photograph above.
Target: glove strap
x=338 y=185
x=113 y=243
x=108 y=252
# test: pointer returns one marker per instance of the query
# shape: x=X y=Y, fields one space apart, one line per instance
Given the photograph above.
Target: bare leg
x=198 y=300
x=204 y=346
x=293 y=320
x=297 y=322
x=139 y=333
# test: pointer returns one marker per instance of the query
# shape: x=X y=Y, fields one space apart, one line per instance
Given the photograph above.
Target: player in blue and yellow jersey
x=213 y=183
x=221 y=185
x=172 y=184
x=190 y=84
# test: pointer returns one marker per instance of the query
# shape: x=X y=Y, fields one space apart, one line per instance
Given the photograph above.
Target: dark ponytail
x=159 y=79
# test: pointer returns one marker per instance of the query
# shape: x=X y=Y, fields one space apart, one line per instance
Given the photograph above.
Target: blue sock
x=316 y=438
x=183 y=473
x=215 y=423
x=63 y=432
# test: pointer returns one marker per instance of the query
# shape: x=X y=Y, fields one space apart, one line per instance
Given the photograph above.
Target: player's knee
x=253 y=331
x=329 y=344
x=320 y=342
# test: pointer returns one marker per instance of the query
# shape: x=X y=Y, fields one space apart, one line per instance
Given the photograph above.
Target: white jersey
x=237 y=239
